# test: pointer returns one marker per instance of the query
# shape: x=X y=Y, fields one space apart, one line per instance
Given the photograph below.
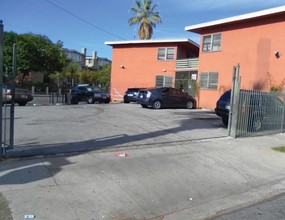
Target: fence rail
x=51 y=99
x=260 y=113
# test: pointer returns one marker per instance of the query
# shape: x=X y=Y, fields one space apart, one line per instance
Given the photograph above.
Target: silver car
x=22 y=96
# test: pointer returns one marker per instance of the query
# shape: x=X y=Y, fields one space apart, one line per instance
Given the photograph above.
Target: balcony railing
x=187 y=63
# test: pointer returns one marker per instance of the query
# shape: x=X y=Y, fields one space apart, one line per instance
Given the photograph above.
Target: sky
x=90 y=23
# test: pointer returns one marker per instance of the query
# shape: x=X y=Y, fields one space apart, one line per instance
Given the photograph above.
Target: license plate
x=23 y=96
x=130 y=95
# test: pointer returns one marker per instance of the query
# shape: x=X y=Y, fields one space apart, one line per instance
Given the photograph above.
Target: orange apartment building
x=150 y=63
x=255 y=41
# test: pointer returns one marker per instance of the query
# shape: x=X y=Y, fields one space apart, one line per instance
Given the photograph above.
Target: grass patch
x=280 y=149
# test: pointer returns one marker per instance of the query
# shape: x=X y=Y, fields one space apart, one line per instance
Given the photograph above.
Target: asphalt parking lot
x=180 y=165
x=76 y=128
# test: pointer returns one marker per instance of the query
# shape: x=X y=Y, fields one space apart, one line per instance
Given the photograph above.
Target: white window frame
x=212 y=43
x=163 y=81
x=164 y=53
x=209 y=80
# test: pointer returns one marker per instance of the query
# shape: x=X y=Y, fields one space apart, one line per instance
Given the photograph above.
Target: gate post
x=283 y=112
x=12 y=110
x=233 y=113
x=1 y=83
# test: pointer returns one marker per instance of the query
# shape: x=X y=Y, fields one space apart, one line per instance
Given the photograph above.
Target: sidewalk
x=193 y=180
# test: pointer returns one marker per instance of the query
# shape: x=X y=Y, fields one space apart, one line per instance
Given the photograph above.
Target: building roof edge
x=180 y=40
x=236 y=18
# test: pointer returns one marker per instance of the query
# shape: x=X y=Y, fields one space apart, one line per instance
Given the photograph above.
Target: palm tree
x=146 y=17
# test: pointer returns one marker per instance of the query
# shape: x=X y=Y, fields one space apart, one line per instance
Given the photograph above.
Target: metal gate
x=255 y=112
x=7 y=123
x=7 y=110
x=7 y=127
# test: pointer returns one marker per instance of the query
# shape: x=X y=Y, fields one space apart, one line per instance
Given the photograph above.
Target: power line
x=82 y=19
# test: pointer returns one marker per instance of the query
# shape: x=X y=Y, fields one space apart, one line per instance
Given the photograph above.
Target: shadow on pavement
x=123 y=140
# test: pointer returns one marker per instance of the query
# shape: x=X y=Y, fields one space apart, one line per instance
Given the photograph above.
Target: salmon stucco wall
x=136 y=66
x=252 y=45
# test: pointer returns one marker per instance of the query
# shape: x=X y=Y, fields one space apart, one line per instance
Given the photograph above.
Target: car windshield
x=89 y=89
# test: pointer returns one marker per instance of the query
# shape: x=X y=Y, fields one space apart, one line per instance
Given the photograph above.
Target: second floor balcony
x=191 y=63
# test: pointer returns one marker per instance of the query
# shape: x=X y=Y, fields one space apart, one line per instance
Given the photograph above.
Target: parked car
x=100 y=96
x=223 y=107
x=87 y=93
x=165 y=97
x=131 y=95
x=258 y=109
x=22 y=96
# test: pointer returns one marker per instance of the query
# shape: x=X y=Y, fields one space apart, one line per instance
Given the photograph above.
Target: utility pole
x=1 y=83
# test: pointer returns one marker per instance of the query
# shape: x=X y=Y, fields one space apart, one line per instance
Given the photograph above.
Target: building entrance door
x=186 y=81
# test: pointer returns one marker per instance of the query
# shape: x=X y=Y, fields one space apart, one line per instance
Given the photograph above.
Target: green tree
x=71 y=71
x=57 y=78
x=103 y=77
x=9 y=40
x=87 y=76
x=146 y=17
x=34 y=53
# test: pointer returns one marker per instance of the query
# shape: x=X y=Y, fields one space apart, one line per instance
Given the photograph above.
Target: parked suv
x=87 y=93
x=257 y=109
x=131 y=95
x=165 y=97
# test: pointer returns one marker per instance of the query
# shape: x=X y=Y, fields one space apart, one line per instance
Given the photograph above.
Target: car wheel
x=74 y=100
x=189 y=105
x=90 y=100
x=225 y=121
x=22 y=103
x=256 y=124
x=156 y=104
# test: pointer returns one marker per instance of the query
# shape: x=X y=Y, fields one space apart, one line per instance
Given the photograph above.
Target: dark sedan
x=100 y=96
x=90 y=94
x=256 y=110
x=131 y=95
x=165 y=97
